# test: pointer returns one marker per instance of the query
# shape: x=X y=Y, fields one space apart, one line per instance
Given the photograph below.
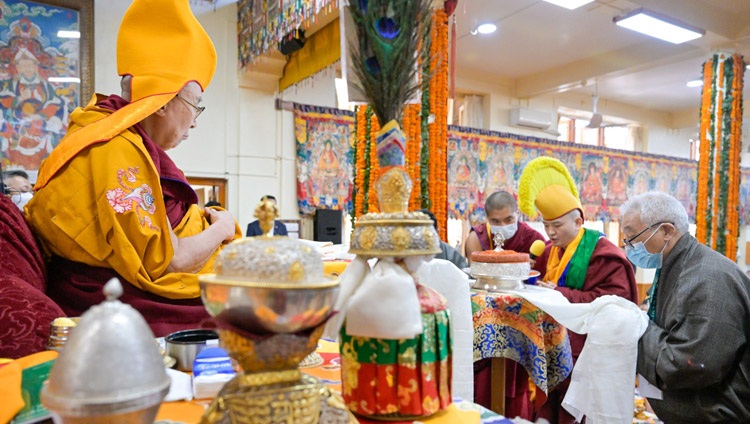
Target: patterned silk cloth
x=405 y=377
x=507 y=326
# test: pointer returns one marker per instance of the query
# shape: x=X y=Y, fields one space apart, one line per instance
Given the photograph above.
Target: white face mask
x=507 y=231
x=21 y=199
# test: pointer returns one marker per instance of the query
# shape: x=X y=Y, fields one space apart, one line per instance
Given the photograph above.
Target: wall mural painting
x=482 y=162
x=324 y=158
x=606 y=178
x=41 y=78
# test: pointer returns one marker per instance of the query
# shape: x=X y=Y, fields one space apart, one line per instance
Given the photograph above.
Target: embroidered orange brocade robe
x=104 y=207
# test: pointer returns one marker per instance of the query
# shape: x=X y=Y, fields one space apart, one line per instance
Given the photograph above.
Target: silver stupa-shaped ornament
x=110 y=371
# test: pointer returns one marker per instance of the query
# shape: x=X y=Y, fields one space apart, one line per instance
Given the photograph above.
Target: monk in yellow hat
x=110 y=202
x=578 y=262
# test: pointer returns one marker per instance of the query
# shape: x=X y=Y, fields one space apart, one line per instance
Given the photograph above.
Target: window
x=612 y=136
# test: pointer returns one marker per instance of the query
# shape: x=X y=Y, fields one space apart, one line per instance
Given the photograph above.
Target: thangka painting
x=745 y=197
x=482 y=162
x=40 y=79
x=324 y=158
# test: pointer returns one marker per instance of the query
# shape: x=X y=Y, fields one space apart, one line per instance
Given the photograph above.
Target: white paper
x=181 y=387
x=647 y=389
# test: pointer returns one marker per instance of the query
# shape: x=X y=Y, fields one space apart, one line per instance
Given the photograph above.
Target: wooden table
x=507 y=326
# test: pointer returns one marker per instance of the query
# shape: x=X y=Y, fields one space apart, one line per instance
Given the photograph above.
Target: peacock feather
x=385 y=54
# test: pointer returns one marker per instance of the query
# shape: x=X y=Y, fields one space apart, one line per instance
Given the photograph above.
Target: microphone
x=536 y=249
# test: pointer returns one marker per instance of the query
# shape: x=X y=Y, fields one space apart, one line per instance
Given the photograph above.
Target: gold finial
x=394 y=188
x=266 y=213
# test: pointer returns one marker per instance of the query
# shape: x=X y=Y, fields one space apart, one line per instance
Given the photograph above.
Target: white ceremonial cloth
x=381 y=303
x=453 y=284
x=349 y=282
x=602 y=385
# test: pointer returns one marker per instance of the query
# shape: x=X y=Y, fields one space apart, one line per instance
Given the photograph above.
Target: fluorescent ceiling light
x=569 y=4
x=695 y=83
x=659 y=26
x=64 y=79
x=488 y=28
x=68 y=34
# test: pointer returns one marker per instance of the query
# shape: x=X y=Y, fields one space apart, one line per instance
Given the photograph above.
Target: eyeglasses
x=629 y=242
x=198 y=109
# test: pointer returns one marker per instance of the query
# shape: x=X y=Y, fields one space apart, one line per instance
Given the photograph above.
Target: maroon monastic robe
x=517 y=394
x=609 y=272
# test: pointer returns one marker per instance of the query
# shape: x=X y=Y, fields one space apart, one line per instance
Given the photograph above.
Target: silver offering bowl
x=269 y=307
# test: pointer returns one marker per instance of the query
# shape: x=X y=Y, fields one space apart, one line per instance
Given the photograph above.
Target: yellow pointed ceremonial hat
x=163 y=47
x=546 y=185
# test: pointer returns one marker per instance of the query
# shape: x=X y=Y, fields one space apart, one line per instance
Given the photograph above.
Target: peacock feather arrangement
x=385 y=54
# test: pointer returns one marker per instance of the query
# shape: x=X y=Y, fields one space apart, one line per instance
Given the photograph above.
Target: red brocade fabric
x=25 y=311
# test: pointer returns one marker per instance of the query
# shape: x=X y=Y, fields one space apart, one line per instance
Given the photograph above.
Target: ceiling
x=540 y=49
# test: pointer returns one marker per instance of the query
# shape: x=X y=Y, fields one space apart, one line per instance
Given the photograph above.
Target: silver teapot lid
x=110 y=364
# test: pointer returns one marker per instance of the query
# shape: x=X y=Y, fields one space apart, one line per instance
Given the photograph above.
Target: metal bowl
x=267 y=307
x=185 y=345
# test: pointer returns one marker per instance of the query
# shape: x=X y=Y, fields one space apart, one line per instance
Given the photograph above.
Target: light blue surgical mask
x=641 y=257
x=507 y=231
x=21 y=199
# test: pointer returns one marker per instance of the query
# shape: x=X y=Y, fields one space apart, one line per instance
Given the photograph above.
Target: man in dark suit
x=253 y=228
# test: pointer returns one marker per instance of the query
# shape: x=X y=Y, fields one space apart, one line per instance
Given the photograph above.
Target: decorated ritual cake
x=500 y=264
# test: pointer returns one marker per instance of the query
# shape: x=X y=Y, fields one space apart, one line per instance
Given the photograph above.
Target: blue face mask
x=641 y=257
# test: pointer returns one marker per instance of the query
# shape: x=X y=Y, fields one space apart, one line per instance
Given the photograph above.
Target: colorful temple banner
x=262 y=24
x=324 y=158
x=482 y=162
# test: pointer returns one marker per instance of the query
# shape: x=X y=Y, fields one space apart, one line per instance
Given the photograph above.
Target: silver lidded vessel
x=110 y=371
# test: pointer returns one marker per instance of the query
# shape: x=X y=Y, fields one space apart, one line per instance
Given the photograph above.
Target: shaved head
x=499 y=200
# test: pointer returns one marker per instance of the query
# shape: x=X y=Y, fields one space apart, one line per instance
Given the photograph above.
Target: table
x=507 y=326
x=188 y=412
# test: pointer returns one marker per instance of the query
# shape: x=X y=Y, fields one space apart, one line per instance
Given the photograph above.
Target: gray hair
x=655 y=206
x=125 y=87
x=499 y=200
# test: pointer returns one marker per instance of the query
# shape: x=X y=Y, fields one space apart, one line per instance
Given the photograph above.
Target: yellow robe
x=104 y=207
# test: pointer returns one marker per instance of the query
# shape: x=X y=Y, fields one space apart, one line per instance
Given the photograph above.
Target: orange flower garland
x=359 y=199
x=411 y=128
x=438 y=130
x=702 y=203
x=717 y=212
x=733 y=201
x=372 y=204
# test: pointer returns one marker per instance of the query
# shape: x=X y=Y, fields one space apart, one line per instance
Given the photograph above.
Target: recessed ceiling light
x=488 y=28
x=695 y=83
x=569 y=4
x=659 y=26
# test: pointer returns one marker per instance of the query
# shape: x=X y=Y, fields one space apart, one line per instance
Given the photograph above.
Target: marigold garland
x=374 y=166
x=355 y=160
x=717 y=211
x=359 y=164
x=411 y=126
x=368 y=160
x=438 y=129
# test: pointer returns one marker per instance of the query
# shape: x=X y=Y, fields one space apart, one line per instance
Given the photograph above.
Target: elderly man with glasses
x=696 y=348
x=109 y=200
